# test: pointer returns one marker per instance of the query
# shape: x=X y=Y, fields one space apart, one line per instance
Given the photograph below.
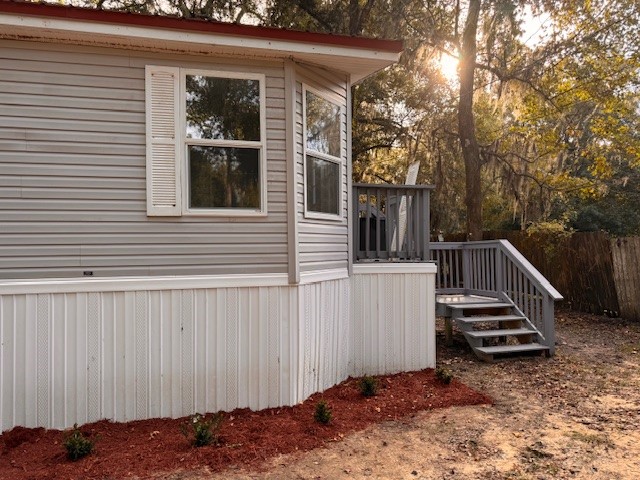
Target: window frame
x=184 y=143
x=340 y=161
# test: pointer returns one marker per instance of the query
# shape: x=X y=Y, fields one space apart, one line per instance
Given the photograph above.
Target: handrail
x=519 y=259
x=389 y=186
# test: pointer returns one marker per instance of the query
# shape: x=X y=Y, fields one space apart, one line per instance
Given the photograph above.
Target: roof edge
x=196 y=25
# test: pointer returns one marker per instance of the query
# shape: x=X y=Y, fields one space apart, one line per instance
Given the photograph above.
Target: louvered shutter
x=163 y=157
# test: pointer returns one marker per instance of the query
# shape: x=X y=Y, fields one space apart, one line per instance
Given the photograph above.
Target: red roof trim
x=196 y=25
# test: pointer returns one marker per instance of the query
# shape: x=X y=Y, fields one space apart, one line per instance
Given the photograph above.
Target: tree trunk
x=466 y=124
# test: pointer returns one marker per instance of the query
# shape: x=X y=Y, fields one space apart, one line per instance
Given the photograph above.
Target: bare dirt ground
x=573 y=416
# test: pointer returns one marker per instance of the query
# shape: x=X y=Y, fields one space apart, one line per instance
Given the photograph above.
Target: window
x=223 y=142
x=323 y=164
x=205 y=143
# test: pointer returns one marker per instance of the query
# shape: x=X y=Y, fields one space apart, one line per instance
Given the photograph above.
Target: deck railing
x=391 y=222
x=497 y=268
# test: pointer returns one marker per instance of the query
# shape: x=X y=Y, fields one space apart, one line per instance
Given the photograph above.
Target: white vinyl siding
x=323 y=243
x=73 y=173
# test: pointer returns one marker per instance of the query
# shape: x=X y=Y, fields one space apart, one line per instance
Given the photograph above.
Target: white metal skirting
x=70 y=358
x=379 y=322
x=393 y=319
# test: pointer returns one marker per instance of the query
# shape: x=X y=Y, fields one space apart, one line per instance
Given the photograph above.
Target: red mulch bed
x=148 y=447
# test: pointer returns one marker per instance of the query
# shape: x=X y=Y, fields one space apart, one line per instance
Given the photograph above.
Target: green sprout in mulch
x=203 y=431
x=77 y=444
x=444 y=375
x=368 y=386
x=322 y=413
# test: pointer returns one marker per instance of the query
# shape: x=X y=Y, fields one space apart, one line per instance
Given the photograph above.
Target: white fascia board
x=129 y=284
x=357 y=62
x=393 y=267
x=169 y=282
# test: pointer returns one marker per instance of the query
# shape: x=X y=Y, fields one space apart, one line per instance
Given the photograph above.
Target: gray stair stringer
x=526 y=333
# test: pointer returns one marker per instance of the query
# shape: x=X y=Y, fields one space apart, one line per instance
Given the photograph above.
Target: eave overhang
x=355 y=56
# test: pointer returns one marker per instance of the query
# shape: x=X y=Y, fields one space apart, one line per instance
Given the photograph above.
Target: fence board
x=626 y=271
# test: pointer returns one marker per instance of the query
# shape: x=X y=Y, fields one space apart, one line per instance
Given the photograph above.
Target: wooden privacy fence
x=626 y=269
x=594 y=273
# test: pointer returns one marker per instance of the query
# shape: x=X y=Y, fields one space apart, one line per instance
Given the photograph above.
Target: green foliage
x=221 y=10
x=77 y=445
x=444 y=375
x=368 y=386
x=204 y=432
x=322 y=413
x=615 y=211
x=550 y=235
x=554 y=229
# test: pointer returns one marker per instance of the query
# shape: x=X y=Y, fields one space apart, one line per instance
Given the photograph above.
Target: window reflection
x=223 y=177
x=323 y=183
x=323 y=125
x=222 y=108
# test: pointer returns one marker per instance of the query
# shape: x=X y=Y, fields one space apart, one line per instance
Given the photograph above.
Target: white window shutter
x=163 y=154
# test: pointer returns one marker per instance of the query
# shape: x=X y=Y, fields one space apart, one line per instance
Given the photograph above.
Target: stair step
x=499 y=333
x=480 y=306
x=525 y=347
x=489 y=318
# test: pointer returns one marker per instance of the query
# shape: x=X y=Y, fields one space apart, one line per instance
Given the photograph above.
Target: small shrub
x=368 y=386
x=322 y=413
x=77 y=445
x=444 y=375
x=551 y=236
x=205 y=432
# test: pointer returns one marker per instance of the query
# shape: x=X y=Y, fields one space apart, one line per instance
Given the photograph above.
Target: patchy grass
x=630 y=348
x=594 y=439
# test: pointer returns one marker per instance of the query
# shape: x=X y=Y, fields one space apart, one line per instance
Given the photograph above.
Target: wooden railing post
x=466 y=268
x=499 y=269
x=356 y=220
x=548 y=321
x=378 y=223
x=426 y=224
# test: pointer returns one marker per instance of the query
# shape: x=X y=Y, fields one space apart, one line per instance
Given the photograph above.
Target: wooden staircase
x=496 y=297
x=496 y=329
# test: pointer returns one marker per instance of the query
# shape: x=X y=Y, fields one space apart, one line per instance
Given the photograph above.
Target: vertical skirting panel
x=142 y=354
x=393 y=316
x=43 y=352
x=325 y=335
x=94 y=356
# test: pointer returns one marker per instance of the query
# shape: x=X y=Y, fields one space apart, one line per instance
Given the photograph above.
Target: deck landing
x=444 y=302
x=457 y=299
